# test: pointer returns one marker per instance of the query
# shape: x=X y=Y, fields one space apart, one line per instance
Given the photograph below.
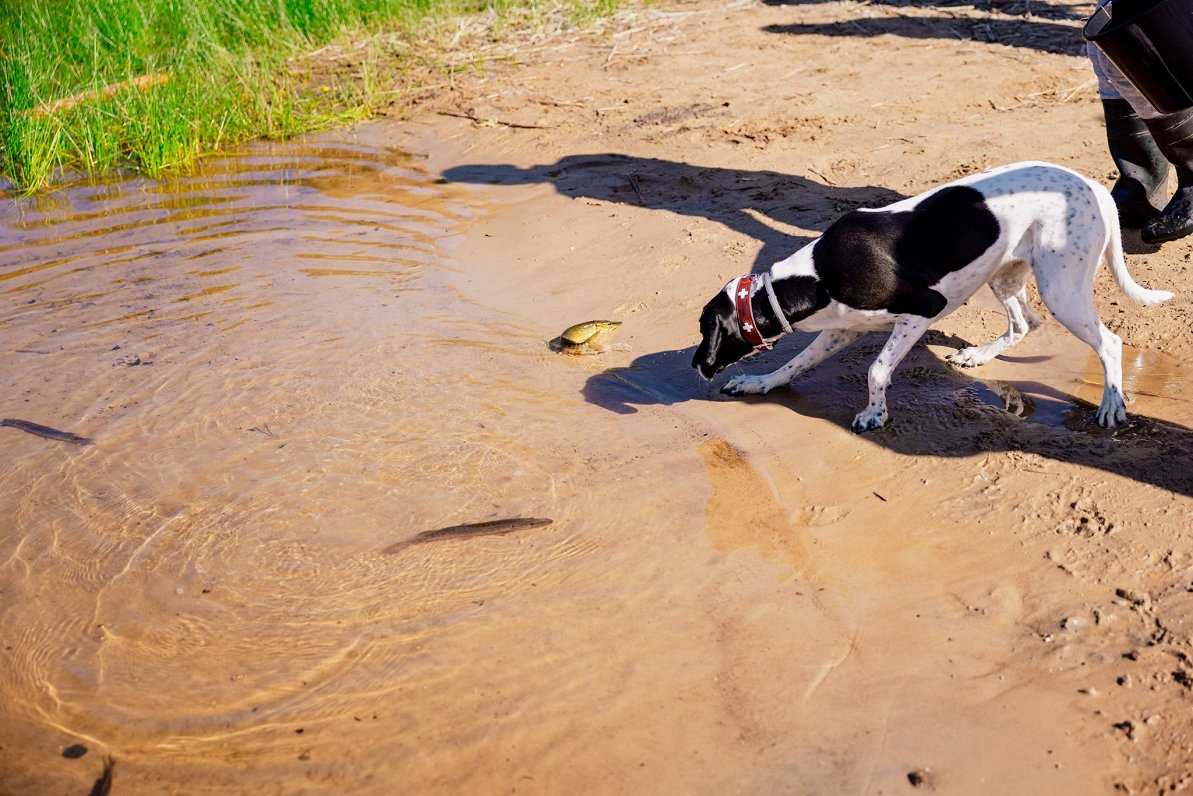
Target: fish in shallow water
x=103 y=785
x=490 y=528
x=45 y=431
x=587 y=338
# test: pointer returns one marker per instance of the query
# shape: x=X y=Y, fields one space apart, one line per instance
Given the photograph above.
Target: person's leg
x=1140 y=190
x=1141 y=187
x=1173 y=133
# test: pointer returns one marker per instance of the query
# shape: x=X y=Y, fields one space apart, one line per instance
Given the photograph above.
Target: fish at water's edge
x=45 y=431
x=103 y=785
x=489 y=528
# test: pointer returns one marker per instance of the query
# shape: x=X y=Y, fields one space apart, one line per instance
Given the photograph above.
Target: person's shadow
x=1025 y=8
x=1022 y=24
x=960 y=416
x=738 y=198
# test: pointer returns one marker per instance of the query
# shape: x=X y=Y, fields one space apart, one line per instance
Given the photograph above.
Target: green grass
x=235 y=71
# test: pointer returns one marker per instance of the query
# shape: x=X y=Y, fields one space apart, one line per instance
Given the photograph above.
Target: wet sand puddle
x=1056 y=381
x=1049 y=380
x=289 y=376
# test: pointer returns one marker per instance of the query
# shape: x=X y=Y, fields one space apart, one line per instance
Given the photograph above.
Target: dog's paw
x=746 y=385
x=968 y=357
x=869 y=419
x=1112 y=412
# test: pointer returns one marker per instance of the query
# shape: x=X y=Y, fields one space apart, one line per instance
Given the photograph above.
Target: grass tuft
x=88 y=86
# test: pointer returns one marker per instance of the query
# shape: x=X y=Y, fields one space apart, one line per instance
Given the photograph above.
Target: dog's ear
x=711 y=331
x=721 y=344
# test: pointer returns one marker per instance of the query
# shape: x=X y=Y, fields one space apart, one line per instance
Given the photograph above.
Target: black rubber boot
x=1139 y=191
x=1173 y=133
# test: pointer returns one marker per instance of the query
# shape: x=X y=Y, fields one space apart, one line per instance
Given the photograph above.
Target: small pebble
x=74 y=752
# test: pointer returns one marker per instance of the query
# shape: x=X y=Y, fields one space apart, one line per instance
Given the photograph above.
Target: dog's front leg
x=908 y=329
x=825 y=345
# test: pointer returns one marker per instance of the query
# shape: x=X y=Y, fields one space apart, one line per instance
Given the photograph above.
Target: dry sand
x=735 y=596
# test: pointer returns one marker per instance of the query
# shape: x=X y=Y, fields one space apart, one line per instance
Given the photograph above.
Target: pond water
x=281 y=384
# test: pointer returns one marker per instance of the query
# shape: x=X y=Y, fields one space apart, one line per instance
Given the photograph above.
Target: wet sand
x=298 y=360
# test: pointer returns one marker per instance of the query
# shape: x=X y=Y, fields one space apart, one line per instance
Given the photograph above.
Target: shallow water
x=1054 y=380
x=238 y=343
x=288 y=374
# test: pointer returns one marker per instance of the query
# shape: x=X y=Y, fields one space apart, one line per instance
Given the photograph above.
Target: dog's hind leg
x=1069 y=297
x=825 y=345
x=908 y=329
x=1010 y=287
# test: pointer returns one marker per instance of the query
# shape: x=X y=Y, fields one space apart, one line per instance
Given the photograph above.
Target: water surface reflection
x=281 y=382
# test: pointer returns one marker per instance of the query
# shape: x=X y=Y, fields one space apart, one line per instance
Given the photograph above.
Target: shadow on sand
x=740 y=199
x=1025 y=8
x=1022 y=25
x=939 y=412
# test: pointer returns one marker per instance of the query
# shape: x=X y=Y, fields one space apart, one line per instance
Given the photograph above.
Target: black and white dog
x=906 y=265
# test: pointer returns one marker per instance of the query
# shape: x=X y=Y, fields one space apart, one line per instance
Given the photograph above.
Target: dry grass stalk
x=66 y=103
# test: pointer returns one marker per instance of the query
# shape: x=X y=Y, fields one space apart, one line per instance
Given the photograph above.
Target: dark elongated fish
x=46 y=431
x=489 y=528
x=103 y=785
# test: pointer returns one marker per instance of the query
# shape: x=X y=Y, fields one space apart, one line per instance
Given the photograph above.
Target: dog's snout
x=704 y=361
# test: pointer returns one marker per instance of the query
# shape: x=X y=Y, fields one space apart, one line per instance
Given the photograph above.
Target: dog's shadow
x=936 y=409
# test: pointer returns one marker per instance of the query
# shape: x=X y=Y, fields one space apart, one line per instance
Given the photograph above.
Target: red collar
x=743 y=291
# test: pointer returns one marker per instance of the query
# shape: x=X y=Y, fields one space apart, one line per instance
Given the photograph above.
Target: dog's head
x=721 y=344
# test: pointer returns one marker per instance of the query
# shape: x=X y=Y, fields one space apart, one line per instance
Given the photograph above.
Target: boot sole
x=1153 y=238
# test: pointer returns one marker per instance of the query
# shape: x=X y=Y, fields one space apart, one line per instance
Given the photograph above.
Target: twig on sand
x=634 y=183
x=141 y=83
x=1075 y=90
x=491 y=122
x=415 y=89
x=821 y=176
x=1052 y=95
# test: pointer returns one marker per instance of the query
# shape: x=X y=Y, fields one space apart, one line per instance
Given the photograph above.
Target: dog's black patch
x=799 y=297
x=942 y=234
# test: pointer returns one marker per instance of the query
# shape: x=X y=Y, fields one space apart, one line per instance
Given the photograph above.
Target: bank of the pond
x=150 y=85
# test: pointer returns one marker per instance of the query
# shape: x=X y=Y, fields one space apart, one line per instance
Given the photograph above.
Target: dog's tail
x=1118 y=264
